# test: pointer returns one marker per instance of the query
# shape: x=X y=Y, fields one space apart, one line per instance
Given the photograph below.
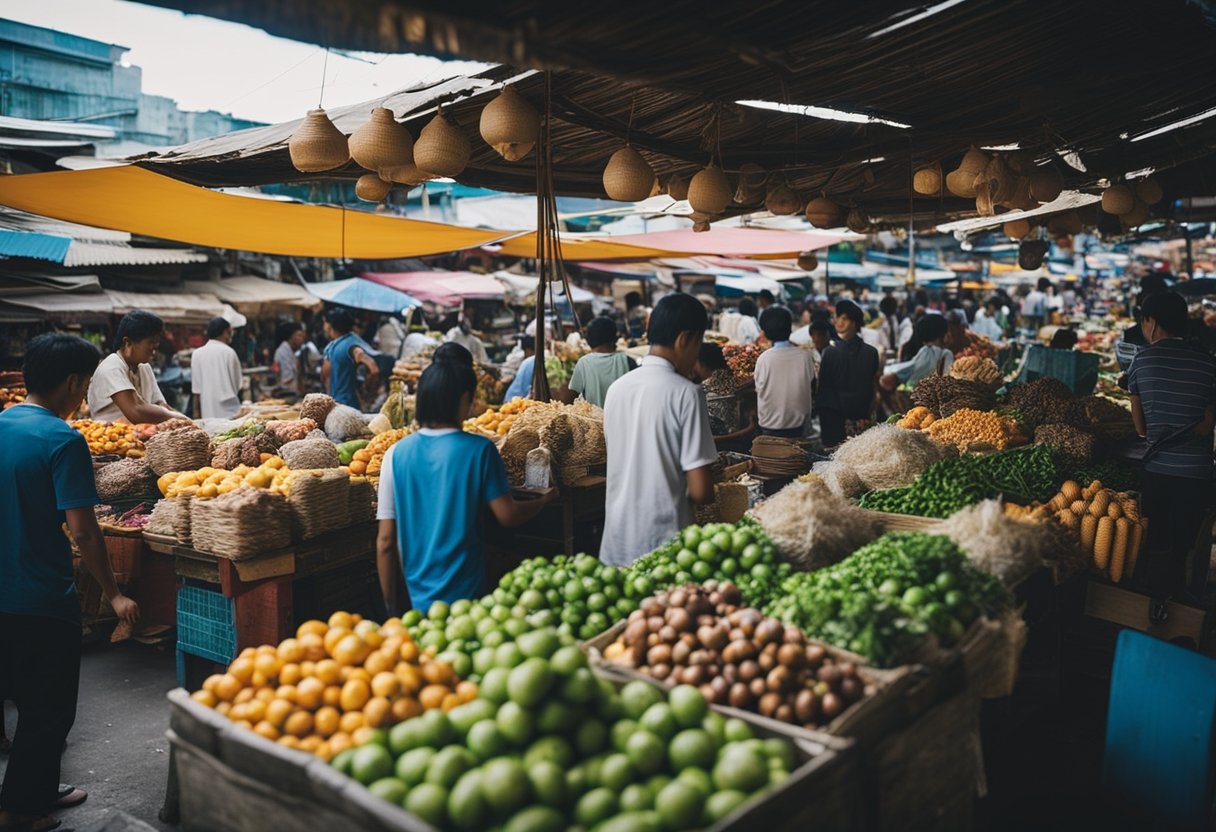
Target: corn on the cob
x=1089 y=527
x=1100 y=504
x=1091 y=489
x=1133 y=548
x=1077 y=507
x=1071 y=490
x=1118 y=556
x=1103 y=539
x=1114 y=510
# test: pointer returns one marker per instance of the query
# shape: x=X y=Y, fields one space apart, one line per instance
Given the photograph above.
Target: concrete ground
x=117 y=751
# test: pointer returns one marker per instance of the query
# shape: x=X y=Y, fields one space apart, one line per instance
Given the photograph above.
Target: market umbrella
x=358 y=293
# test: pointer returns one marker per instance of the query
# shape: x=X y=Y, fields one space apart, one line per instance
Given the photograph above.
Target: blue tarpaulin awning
x=363 y=294
x=34 y=246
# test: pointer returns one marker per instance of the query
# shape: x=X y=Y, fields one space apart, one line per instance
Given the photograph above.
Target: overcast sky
x=209 y=64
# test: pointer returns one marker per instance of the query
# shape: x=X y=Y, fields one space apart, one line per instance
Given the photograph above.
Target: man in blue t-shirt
x=46 y=475
x=521 y=385
x=343 y=355
x=433 y=485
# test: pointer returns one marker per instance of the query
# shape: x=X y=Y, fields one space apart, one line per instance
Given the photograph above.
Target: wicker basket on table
x=319 y=500
x=181 y=449
x=361 y=502
x=242 y=524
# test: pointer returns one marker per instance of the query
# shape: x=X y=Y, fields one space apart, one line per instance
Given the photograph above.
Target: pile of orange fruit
x=334 y=685
x=110 y=438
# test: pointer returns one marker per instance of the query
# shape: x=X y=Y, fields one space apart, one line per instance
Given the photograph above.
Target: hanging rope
x=324 y=72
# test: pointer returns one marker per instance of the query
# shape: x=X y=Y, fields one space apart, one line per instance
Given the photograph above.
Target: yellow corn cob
x=1067 y=518
x=1133 y=548
x=1103 y=539
x=1058 y=502
x=1118 y=554
x=1089 y=527
x=1091 y=489
x=1071 y=490
x=1077 y=507
x=1114 y=510
x=1100 y=503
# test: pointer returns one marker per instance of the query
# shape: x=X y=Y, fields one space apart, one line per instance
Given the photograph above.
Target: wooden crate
x=1126 y=608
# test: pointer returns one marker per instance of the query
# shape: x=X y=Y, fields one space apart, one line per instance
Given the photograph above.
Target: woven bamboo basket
x=985 y=206
x=1118 y=200
x=163 y=518
x=316 y=145
x=183 y=449
x=823 y=212
x=709 y=191
x=927 y=180
x=807 y=261
x=371 y=188
x=1002 y=181
x=241 y=524
x=751 y=184
x=1046 y=184
x=959 y=185
x=1148 y=190
x=320 y=501
x=510 y=125
x=677 y=187
x=181 y=519
x=782 y=201
x=1021 y=199
x=1017 y=229
x=441 y=149
x=381 y=142
x=628 y=177
x=961 y=180
x=1136 y=216
x=408 y=175
x=361 y=501
x=858 y=221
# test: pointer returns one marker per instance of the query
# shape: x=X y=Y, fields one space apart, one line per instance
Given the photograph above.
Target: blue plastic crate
x=206 y=624
x=1078 y=370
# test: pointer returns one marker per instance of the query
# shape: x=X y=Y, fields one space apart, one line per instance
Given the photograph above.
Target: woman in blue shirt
x=433 y=485
x=343 y=355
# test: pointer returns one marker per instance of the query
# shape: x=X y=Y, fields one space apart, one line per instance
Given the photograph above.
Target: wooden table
x=573 y=523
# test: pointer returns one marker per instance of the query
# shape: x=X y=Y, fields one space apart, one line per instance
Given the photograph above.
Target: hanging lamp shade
x=408 y=174
x=371 y=188
x=1017 y=229
x=823 y=213
x=441 y=149
x=381 y=142
x=1148 y=190
x=677 y=187
x=316 y=145
x=927 y=180
x=807 y=261
x=709 y=191
x=1118 y=200
x=628 y=177
x=961 y=180
x=510 y=125
x=1046 y=183
x=782 y=201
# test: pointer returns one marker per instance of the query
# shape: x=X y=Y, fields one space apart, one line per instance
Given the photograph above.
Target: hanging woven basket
x=709 y=191
x=510 y=125
x=807 y=261
x=1021 y=199
x=371 y=188
x=821 y=212
x=1118 y=200
x=927 y=180
x=1137 y=215
x=782 y=201
x=677 y=187
x=1001 y=180
x=1046 y=184
x=961 y=181
x=381 y=142
x=628 y=177
x=1148 y=191
x=751 y=184
x=441 y=148
x=1021 y=162
x=1065 y=222
x=404 y=175
x=316 y=145
x=1016 y=229
x=858 y=221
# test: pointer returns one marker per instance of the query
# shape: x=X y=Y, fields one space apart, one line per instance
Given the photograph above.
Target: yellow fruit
x=343 y=620
x=332 y=696
x=335 y=635
x=223 y=708
x=411 y=679
x=277 y=712
x=467 y=691
x=286 y=692
x=350 y=650
x=310 y=744
x=290 y=674
x=386 y=684
x=314 y=647
x=340 y=742
x=326 y=721
x=380 y=661
x=309 y=693
x=266 y=730
x=355 y=694
x=288 y=741
x=242 y=669
x=299 y=724
x=228 y=687
x=267 y=665
x=328 y=671
x=407 y=707
x=432 y=696
x=210 y=682
x=315 y=627
x=377 y=712
x=208 y=698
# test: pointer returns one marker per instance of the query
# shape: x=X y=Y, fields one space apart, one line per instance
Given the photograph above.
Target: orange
x=411 y=679
x=247 y=653
x=314 y=647
x=246 y=695
x=387 y=685
x=267 y=665
x=326 y=721
x=332 y=696
x=369 y=631
x=244 y=723
x=340 y=741
x=335 y=635
x=405 y=708
x=259 y=680
x=467 y=691
x=393 y=627
x=298 y=724
x=314 y=627
x=450 y=701
x=409 y=651
x=380 y=661
x=205 y=697
x=290 y=651
x=324 y=752
x=310 y=744
x=392 y=645
x=349 y=650
x=265 y=650
x=289 y=741
x=361 y=736
x=308 y=668
x=432 y=696
x=438 y=673
x=351 y=722
x=342 y=619
x=377 y=711
x=223 y=708
x=265 y=729
x=328 y=671
x=278 y=711
x=264 y=694
x=286 y=692
x=290 y=674
x=349 y=673
x=355 y=694
x=255 y=711
x=309 y=692
x=212 y=681
x=237 y=712
x=242 y=669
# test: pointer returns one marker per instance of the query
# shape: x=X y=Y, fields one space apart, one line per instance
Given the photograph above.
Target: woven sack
x=371 y=188
x=124 y=479
x=319 y=500
x=628 y=177
x=307 y=454
x=575 y=443
x=510 y=125
x=927 y=180
x=242 y=524
x=381 y=142
x=1017 y=229
x=404 y=175
x=781 y=200
x=316 y=145
x=441 y=148
x=162 y=519
x=361 y=501
x=514 y=450
x=709 y=191
x=808 y=261
x=316 y=406
x=183 y=449
x=677 y=187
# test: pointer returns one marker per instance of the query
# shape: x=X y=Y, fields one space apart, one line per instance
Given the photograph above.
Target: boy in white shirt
x=784 y=376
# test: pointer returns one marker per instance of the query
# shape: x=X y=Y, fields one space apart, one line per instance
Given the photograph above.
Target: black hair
x=633 y=299
x=1043 y=284
x=51 y=358
x=137 y=325
x=711 y=356
x=452 y=352
x=601 y=331
x=851 y=310
x=340 y=320
x=888 y=306
x=1064 y=339
x=439 y=390
x=676 y=313
x=748 y=307
x=820 y=325
x=287 y=329
x=527 y=342
x=777 y=323
x=1168 y=309
x=217 y=327
x=1152 y=283
x=993 y=301
x=930 y=328
x=821 y=315
x=765 y=294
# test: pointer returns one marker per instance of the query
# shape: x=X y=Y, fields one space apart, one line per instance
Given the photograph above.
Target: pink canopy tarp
x=439 y=288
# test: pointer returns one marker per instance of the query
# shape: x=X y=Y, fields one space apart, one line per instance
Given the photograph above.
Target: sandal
x=69 y=796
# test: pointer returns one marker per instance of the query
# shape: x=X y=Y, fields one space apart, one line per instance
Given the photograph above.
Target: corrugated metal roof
x=34 y=246
x=82 y=253
x=15 y=220
x=29 y=235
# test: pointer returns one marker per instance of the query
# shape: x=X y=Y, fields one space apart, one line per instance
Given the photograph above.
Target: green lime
x=647 y=821
x=463 y=717
x=660 y=720
x=342 y=761
x=548 y=781
x=580 y=687
x=538 y=644
x=390 y=789
x=504 y=784
x=435 y=729
x=532 y=600
x=915 y=596
x=636 y=798
x=535 y=819
x=448 y=764
x=645 y=750
x=616 y=772
x=428 y=801
x=494 y=685
x=508 y=654
x=530 y=682
x=637 y=696
x=740 y=768
x=577 y=781
x=554 y=749
x=781 y=750
x=692 y=537
x=516 y=723
x=736 y=730
x=688 y=705
x=707 y=551
x=557 y=717
x=438 y=611
x=679 y=805
x=590 y=737
x=692 y=747
x=698 y=778
x=566 y=660
x=483 y=659
x=486 y=740
x=622 y=730
x=412 y=765
x=371 y=763
x=720 y=804
x=685 y=558
x=715 y=725
x=595 y=806
x=466 y=804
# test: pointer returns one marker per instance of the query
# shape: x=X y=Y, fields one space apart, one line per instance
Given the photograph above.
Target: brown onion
x=769 y=703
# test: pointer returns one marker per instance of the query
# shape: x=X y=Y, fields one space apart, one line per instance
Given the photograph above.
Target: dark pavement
x=117 y=751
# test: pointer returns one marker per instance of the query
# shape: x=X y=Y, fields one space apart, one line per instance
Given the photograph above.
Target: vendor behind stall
x=521 y=385
x=343 y=355
x=433 y=485
x=124 y=387
x=291 y=338
x=215 y=374
x=596 y=371
x=463 y=334
x=932 y=358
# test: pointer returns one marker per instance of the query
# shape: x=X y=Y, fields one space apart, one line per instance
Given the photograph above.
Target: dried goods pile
x=972 y=430
x=582 y=421
x=1107 y=420
x=110 y=438
x=290 y=430
x=917 y=418
x=1009 y=548
x=1046 y=401
x=736 y=656
x=1023 y=474
x=943 y=395
x=345 y=423
x=333 y=685
x=883 y=600
x=303 y=454
x=316 y=406
x=125 y=479
x=813 y=527
x=741 y=358
x=980 y=346
x=1072 y=445
x=131 y=520
x=251 y=448
x=979 y=369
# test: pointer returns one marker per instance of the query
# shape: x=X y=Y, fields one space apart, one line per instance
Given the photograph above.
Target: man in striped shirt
x=1173 y=396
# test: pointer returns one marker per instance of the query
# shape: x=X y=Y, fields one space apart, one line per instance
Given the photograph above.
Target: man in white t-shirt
x=215 y=374
x=784 y=378
x=660 y=445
